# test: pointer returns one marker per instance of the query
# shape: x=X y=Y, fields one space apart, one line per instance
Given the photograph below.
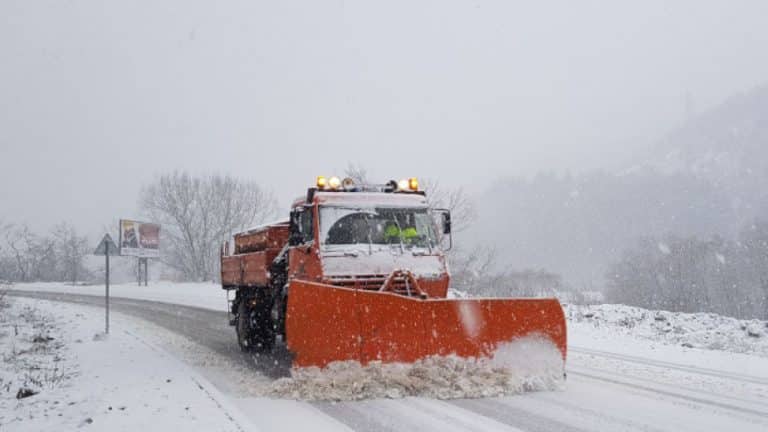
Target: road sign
x=106 y=244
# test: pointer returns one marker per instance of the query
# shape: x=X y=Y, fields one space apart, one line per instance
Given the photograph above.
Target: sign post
x=106 y=289
x=106 y=247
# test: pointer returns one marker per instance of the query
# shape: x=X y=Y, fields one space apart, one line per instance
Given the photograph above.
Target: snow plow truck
x=359 y=272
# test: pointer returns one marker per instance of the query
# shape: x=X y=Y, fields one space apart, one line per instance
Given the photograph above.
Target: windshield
x=376 y=227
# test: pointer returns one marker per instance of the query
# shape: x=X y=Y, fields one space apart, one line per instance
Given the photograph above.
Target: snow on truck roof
x=368 y=199
x=264 y=226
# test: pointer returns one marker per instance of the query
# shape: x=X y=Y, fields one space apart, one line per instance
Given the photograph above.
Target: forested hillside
x=707 y=178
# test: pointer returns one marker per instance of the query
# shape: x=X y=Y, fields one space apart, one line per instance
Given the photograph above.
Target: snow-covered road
x=660 y=389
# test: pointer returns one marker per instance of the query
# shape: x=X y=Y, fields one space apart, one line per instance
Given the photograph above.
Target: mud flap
x=326 y=323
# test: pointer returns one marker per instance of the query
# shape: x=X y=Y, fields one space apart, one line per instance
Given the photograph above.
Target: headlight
x=321 y=182
x=402 y=185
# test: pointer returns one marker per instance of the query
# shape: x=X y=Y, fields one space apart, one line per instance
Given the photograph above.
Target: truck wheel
x=264 y=329
x=255 y=330
x=243 y=327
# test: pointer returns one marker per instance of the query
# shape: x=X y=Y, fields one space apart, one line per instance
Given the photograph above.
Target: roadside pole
x=106 y=294
x=106 y=247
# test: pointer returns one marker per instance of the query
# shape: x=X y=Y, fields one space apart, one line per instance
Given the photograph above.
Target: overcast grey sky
x=96 y=97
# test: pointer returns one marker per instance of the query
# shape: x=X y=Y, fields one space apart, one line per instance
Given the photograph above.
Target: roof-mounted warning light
x=335 y=184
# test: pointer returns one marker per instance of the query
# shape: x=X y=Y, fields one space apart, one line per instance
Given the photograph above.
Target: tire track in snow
x=668 y=365
x=414 y=414
x=620 y=423
x=688 y=398
x=660 y=384
x=348 y=415
x=514 y=416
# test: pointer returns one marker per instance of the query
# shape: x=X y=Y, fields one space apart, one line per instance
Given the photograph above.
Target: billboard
x=139 y=239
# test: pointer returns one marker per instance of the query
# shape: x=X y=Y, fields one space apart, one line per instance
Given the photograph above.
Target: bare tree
x=6 y=260
x=754 y=244
x=200 y=212
x=25 y=252
x=472 y=270
x=26 y=256
x=16 y=262
x=463 y=212
x=357 y=173
x=71 y=250
x=693 y=275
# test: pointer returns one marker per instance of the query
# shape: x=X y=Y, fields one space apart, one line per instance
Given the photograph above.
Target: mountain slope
x=706 y=178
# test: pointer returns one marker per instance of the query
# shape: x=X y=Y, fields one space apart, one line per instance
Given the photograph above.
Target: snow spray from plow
x=527 y=364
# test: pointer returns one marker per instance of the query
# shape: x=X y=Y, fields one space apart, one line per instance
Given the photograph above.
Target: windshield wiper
x=370 y=242
x=399 y=235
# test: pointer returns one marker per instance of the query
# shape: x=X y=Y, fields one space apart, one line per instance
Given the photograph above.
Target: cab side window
x=301 y=226
x=305 y=221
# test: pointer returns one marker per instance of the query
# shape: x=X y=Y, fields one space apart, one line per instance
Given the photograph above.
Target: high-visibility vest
x=410 y=234
x=392 y=232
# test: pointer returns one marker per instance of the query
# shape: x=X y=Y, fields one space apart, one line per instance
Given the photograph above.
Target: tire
x=255 y=329
x=243 y=328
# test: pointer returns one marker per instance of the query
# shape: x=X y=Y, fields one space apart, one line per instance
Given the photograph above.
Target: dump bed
x=273 y=236
x=255 y=250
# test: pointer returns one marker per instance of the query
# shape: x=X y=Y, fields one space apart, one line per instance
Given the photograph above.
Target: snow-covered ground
x=81 y=377
x=700 y=330
x=126 y=381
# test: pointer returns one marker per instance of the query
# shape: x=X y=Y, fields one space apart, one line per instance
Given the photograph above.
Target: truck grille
x=372 y=283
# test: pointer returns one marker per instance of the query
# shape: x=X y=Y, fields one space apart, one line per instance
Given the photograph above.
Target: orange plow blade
x=326 y=323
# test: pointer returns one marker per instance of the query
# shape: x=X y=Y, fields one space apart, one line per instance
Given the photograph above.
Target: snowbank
x=56 y=375
x=203 y=295
x=527 y=364
x=697 y=330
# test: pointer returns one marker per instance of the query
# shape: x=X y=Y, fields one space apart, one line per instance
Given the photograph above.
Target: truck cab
x=358 y=239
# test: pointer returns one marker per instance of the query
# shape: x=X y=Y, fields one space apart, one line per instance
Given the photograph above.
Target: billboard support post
x=143 y=271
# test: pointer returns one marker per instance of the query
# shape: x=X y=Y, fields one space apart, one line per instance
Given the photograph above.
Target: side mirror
x=445 y=218
x=446 y=222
